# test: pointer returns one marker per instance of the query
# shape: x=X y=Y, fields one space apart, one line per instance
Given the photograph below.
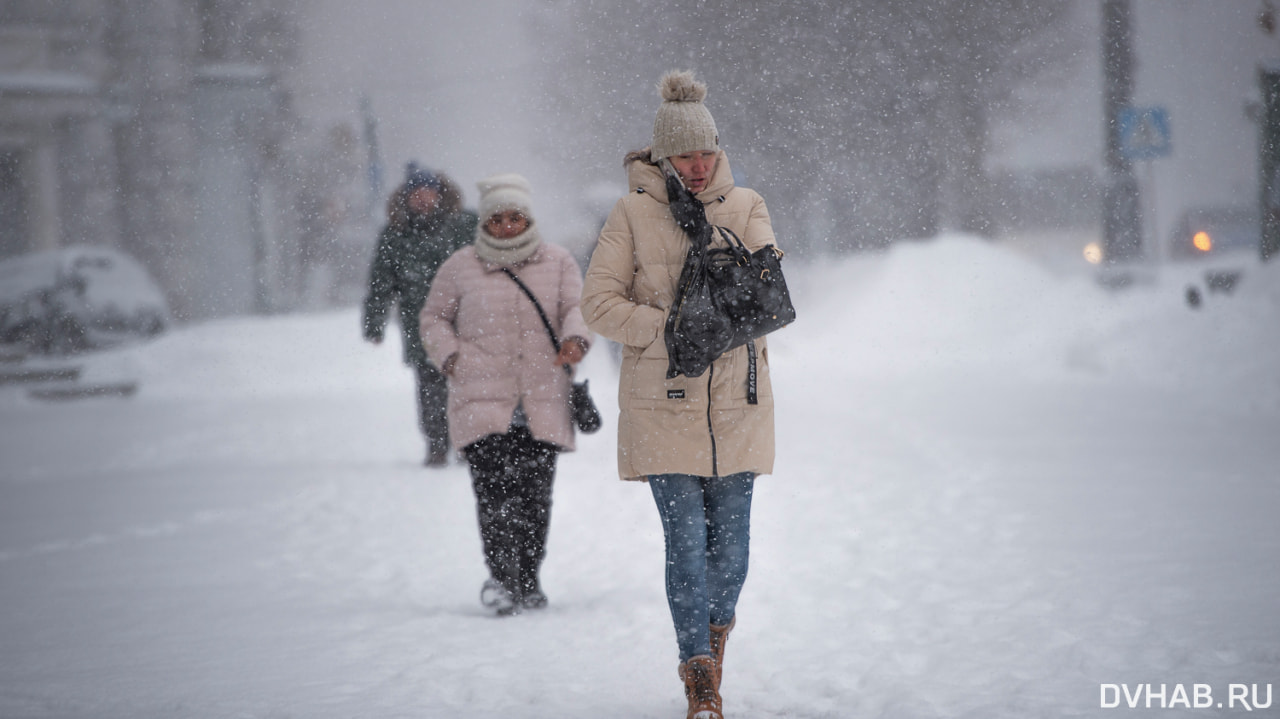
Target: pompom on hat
x=683 y=123
x=501 y=193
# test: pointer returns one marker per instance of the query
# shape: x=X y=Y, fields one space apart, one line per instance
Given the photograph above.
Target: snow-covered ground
x=1000 y=492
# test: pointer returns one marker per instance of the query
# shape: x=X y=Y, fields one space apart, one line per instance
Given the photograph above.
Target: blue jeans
x=706 y=522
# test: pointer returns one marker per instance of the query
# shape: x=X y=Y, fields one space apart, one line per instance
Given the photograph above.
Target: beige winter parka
x=504 y=354
x=701 y=426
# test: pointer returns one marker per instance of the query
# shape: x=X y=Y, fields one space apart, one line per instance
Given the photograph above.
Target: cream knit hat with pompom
x=683 y=123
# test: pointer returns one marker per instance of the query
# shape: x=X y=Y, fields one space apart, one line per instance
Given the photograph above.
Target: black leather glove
x=689 y=212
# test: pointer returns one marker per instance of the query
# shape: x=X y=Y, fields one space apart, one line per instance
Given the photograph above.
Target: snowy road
x=986 y=505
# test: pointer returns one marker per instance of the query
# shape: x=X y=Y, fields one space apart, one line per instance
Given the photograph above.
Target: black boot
x=533 y=597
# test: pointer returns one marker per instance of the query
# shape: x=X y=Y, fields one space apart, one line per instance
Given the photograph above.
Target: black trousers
x=512 y=475
x=433 y=406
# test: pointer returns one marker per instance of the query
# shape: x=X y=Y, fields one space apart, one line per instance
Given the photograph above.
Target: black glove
x=690 y=214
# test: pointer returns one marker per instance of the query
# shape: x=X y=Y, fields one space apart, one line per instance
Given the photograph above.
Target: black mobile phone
x=670 y=170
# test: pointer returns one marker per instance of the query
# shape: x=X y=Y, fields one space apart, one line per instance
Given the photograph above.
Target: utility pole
x=1121 y=211
x=1269 y=160
x=1269 y=150
x=374 y=161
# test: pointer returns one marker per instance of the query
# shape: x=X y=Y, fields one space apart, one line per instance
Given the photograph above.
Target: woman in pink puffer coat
x=508 y=389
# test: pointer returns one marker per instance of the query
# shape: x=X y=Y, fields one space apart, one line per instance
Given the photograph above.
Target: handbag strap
x=555 y=341
x=731 y=237
x=737 y=247
x=741 y=253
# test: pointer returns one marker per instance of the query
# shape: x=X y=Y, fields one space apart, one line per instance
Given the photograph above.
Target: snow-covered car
x=78 y=298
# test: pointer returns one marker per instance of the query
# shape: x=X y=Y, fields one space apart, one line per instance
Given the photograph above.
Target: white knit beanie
x=683 y=123
x=500 y=193
x=503 y=193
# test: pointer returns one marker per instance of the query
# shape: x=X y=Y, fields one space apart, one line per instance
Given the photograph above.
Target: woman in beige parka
x=698 y=441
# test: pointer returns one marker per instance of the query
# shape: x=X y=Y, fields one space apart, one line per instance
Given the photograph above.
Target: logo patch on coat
x=675 y=394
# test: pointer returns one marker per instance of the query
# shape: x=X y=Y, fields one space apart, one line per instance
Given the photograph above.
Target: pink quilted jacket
x=504 y=354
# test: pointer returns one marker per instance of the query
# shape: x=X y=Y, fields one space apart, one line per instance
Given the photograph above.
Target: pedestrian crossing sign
x=1144 y=133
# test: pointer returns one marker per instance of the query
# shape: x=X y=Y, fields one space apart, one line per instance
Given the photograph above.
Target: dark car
x=1216 y=232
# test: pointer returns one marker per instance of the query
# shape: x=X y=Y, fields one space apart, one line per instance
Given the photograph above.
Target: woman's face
x=695 y=168
x=505 y=225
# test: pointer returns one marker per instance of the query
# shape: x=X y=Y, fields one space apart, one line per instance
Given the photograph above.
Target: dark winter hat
x=416 y=177
x=683 y=123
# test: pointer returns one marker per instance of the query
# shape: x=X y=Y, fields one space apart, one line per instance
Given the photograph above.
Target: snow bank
x=960 y=302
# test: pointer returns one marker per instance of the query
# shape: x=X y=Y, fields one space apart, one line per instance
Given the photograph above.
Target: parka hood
x=644 y=176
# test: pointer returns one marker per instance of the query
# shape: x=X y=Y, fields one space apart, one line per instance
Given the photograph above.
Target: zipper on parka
x=711 y=432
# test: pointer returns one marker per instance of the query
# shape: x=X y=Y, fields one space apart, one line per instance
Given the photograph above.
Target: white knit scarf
x=509 y=252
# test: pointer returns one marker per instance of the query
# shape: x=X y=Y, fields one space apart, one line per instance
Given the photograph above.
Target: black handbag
x=749 y=288
x=581 y=407
x=585 y=415
x=696 y=331
x=726 y=297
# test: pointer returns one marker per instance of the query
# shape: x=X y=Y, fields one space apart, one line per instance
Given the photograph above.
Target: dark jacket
x=404 y=265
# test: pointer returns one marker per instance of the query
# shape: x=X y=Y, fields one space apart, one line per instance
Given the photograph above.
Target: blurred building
x=158 y=127
x=1198 y=61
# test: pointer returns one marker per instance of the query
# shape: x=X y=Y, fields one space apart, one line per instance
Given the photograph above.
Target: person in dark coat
x=425 y=225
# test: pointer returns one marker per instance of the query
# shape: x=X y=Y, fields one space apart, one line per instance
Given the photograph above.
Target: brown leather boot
x=699 y=675
x=720 y=635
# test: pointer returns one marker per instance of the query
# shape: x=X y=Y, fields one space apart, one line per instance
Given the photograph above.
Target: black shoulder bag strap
x=555 y=341
x=738 y=249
